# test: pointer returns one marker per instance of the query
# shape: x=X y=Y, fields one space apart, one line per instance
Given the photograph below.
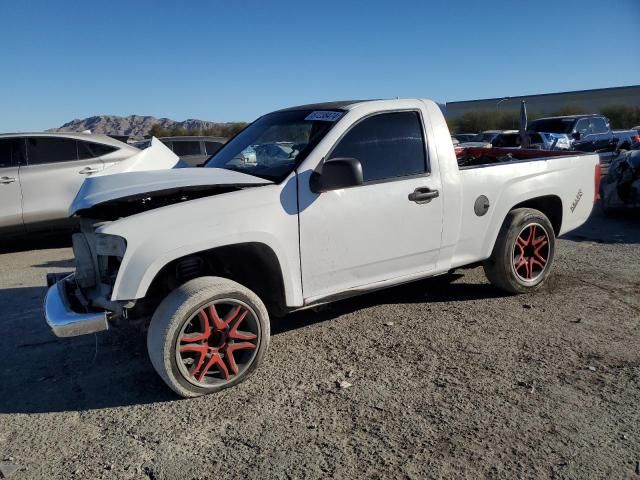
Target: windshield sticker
x=323 y=116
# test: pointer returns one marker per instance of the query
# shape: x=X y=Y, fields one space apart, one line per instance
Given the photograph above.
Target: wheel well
x=550 y=205
x=254 y=265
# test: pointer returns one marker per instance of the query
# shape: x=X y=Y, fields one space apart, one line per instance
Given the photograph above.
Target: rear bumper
x=65 y=322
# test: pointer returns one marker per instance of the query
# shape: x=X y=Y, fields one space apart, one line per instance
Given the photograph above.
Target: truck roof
x=339 y=105
x=570 y=117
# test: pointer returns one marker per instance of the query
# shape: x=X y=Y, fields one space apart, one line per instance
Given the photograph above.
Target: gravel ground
x=449 y=378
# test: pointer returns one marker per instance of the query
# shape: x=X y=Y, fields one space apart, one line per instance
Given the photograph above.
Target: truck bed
x=513 y=176
x=474 y=157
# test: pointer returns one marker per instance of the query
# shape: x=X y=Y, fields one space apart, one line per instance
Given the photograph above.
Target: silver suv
x=40 y=174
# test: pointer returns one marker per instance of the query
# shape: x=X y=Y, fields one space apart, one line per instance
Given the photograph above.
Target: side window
x=599 y=125
x=583 y=126
x=387 y=145
x=93 y=150
x=190 y=147
x=212 y=147
x=9 y=153
x=50 y=150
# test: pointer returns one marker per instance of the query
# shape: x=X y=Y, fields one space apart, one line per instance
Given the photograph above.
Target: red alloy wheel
x=217 y=343
x=531 y=253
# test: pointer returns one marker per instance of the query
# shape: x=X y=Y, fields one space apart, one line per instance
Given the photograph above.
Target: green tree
x=157 y=131
x=622 y=116
x=570 y=109
x=217 y=130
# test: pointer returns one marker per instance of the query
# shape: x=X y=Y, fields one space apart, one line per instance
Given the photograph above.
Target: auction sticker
x=324 y=116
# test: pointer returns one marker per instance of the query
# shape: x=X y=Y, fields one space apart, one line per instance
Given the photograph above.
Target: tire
x=523 y=254
x=195 y=354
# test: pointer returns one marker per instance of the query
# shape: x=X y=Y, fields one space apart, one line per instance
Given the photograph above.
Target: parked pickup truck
x=369 y=195
x=588 y=133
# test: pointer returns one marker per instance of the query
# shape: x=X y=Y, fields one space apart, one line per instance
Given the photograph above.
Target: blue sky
x=234 y=60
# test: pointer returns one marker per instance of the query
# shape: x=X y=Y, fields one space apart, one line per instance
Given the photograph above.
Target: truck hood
x=157 y=188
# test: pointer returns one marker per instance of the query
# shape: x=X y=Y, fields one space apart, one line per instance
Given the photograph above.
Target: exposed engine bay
x=143 y=202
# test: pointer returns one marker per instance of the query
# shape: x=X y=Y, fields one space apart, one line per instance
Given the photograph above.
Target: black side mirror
x=576 y=135
x=337 y=173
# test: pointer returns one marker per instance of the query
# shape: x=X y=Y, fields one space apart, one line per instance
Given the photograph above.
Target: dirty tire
x=179 y=308
x=516 y=266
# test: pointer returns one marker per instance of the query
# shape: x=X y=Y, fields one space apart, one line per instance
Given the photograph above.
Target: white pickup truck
x=342 y=198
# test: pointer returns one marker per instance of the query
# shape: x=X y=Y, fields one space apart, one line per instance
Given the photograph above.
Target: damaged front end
x=621 y=187
x=81 y=302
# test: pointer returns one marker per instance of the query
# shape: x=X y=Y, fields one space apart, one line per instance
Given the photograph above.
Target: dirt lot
x=465 y=382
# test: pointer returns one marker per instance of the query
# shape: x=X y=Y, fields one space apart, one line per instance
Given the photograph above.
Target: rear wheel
x=209 y=334
x=523 y=253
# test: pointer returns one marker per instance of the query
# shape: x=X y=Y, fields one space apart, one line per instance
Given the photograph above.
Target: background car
x=486 y=137
x=194 y=151
x=620 y=188
x=537 y=140
x=40 y=174
x=587 y=133
x=549 y=141
x=507 y=139
x=465 y=137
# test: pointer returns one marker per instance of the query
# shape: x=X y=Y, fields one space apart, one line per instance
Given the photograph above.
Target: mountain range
x=136 y=126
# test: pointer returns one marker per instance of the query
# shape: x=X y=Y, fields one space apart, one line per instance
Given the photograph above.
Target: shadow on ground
x=35 y=242
x=621 y=228
x=431 y=290
x=68 y=263
x=41 y=373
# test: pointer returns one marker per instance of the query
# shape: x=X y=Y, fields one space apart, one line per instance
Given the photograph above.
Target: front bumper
x=65 y=322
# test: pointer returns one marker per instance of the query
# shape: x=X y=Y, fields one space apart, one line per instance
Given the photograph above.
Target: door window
x=387 y=145
x=186 y=148
x=583 y=126
x=93 y=150
x=598 y=125
x=50 y=150
x=11 y=152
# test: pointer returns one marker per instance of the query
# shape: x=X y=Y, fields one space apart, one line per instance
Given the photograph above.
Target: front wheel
x=208 y=334
x=523 y=253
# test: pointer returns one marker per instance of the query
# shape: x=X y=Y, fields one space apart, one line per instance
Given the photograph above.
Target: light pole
x=499 y=102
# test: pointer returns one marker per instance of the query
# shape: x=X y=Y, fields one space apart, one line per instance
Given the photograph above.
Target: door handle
x=6 y=180
x=423 y=195
x=88 y=171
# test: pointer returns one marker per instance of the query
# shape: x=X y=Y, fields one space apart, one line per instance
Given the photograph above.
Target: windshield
x=552 y=125
x=273 y=145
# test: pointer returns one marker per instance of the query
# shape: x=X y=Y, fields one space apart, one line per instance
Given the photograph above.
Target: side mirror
x=337 y=173
x=576 y=135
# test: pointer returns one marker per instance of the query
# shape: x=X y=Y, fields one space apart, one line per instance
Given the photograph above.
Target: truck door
x=585 y=143
x=11 y=153
x=602 y=133
x=52 y=178
x=381 y=230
